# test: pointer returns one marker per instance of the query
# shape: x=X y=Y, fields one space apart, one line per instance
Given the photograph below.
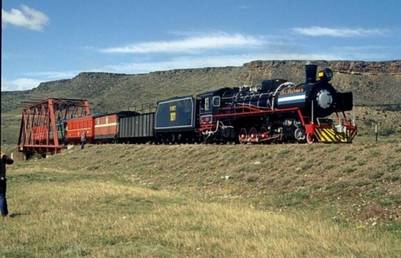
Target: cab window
x=216 y=101
x=207 y=104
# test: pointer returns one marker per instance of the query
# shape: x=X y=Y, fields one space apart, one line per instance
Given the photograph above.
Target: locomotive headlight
x=324 y=99
x=325 y=74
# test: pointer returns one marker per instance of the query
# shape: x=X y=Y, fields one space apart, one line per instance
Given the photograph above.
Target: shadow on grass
x=18 y=214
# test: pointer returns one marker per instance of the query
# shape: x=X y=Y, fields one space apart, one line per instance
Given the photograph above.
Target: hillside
x=372 y=83
x=207 y=200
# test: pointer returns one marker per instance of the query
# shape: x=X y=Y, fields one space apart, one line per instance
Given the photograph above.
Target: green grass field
x=207 y=201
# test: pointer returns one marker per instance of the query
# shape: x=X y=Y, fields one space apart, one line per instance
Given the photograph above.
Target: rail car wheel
x=310 y=138
x=242 y=136
x=173 y=138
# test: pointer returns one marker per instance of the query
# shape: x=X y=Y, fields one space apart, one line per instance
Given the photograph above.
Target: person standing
x=5 y=160
x=83 y=140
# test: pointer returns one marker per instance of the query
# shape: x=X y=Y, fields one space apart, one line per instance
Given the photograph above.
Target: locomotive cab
x=209 y=103
x=212 y=108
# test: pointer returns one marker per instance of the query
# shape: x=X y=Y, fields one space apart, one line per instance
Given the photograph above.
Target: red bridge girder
x=42 y=123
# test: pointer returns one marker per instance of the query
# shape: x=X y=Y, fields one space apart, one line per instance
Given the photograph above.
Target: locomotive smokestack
x=310 y=72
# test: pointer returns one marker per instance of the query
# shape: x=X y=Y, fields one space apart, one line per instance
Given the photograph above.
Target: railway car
x=136 y=128
x=78 y=126
x=176 y=120
x=106 y=127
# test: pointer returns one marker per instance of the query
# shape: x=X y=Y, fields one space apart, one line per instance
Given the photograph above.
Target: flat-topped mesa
x=99 y=74
x=295 y=66
x=392 y=67
x=192 y=70
x=351 y=67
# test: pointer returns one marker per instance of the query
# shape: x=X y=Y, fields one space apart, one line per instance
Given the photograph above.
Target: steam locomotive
x=278 y=111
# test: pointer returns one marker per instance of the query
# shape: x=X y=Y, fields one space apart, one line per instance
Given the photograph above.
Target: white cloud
x=24 y=17
x=19 y=84
x=271 y=52
x=51 y=75
x=190 y=44
x=316 y=31
x=244 y=6
x=31 y=80
x=207 y=61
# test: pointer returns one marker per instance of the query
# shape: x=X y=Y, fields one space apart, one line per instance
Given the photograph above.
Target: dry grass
x=94 y=218
x=207 y=200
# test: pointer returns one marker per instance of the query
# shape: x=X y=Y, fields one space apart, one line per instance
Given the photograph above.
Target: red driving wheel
x=253 y=134
x=242 y=137
x=310 y=138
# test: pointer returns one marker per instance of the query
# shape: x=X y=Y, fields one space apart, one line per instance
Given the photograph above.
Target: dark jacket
x=5 y=160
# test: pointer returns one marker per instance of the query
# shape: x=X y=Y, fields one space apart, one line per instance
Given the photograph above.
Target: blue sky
x=48 y=40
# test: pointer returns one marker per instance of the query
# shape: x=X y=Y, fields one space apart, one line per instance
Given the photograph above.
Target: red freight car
x=77 y=126
x=40 y=134
x=106 y=126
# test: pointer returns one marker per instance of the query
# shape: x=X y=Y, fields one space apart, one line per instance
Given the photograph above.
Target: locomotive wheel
x=253 y=134
x=263 y=134
x=207 y=139
x=242 y=136
x=310 y=138
x=300 y=135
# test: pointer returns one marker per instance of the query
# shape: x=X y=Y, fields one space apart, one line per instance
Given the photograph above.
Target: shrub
x=349 y=158
x=376 y=175
x=350 y=170
x=292 y=199
x=386 y=131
